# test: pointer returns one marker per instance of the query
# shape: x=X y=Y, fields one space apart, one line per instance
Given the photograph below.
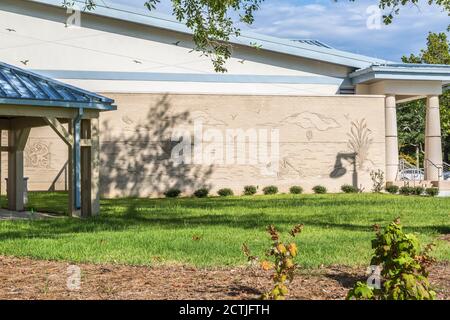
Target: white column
x=433 y=140
x=391 y=139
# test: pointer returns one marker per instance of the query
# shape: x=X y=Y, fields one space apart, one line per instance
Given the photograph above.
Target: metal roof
x=313 y=42
x=18 y=86
x=300 y=49
x=433 y=72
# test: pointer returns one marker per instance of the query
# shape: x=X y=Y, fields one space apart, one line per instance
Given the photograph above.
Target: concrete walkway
x=25 y=215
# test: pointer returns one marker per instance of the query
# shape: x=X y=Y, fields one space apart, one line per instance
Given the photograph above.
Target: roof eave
x=61 y=104
x=402 y=72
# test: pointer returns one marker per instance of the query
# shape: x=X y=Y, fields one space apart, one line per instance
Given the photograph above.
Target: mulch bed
x=22 y=278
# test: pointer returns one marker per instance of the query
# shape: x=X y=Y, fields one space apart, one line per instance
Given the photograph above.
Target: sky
x=342 y=24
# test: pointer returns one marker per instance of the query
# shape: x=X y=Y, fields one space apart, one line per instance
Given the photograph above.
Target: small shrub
x=281 y=260
x=320 y=190
x=402 y=267
x=270 y=190
x=432 y=192
x=226 y=192
x=201 y=193
x=406 y=190
x=250 y=190
x=418 y=191
x=392 y=189
x=296 y=190
x=346 y=188
x=172 y=193
x=377 y=181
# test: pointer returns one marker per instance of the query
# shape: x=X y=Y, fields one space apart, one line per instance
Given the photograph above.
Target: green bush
x=406 y=191
x=402 y=268
x=172 y=193
x=377 y=181
x=296 y=190
x=270 y=190
x=418 y=191
x=392 y=189
x=432 y=192
x=319 y=190
x=226 y=192
x=250 y=190
x=201 y=193
x=346 y=188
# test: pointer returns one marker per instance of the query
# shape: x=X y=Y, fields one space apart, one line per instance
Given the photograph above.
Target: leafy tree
x=213 y=22
x=411 y=116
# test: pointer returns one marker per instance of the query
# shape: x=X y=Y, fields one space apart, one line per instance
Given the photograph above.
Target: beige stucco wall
x=315 y=134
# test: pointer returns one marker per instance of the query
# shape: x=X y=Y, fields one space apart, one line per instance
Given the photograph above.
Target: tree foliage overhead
x=214 y=22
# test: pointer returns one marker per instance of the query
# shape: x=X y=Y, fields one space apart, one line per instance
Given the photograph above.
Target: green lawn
x=148 y=231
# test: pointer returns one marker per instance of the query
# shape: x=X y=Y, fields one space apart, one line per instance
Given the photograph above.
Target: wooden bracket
x=60 y=130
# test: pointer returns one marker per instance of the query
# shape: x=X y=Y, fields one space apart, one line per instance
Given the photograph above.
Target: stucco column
x=433 y=140
x=391 y=138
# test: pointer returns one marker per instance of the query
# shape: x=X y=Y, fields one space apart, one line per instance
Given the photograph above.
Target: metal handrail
x=412 y=171
x=440 y=168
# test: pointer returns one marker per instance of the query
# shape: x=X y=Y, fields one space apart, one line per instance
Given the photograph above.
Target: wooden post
x=17 y=140
x=90 y=171
x=71 y=211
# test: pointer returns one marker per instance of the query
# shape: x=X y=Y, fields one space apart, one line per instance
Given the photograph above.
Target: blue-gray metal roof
x=313 y=42
x=18 y=86
x=406 y=71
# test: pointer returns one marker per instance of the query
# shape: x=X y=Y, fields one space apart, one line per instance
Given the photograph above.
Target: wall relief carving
x=37 y=154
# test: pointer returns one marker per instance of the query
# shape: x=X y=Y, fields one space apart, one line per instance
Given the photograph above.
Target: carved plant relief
x=360 y=141
x=37 y=155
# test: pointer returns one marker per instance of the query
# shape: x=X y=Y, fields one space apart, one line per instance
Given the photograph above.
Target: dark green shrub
x=270 y=190
x=319 y=190
x=418 y=191
x=346 y=188
x=392 y=189
x=201 y=193
x=172 y=193
x=250 y=190
x=296 y=190
x=226 y=192
x=406 y=191
x=432 y=192
x=402 y=267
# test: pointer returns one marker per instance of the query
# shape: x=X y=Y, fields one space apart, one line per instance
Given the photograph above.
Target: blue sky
x=342 y=24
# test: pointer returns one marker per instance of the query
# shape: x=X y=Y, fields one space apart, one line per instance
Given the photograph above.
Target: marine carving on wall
x=308 y=121
x=37 y=154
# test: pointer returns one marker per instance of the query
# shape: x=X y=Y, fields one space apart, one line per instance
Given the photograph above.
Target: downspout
x=77 y=158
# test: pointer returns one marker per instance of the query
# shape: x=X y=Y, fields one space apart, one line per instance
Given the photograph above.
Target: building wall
x=111 y=56
x=318 y=137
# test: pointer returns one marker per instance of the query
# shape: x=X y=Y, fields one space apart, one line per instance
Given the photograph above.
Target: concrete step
x=444 y=187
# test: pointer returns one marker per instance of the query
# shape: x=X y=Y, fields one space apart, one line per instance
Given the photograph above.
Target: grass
x=210 y=232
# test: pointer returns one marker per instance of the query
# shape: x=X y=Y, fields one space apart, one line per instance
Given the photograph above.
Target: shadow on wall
x=136 y=159
x=340 y=170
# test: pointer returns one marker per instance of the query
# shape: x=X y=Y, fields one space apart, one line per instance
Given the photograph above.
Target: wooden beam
x=60 y=130
x=4 y=149
x=15 y=190
x=22 y=138
x=4 y=124
x=86 y=142
x=27 y=122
